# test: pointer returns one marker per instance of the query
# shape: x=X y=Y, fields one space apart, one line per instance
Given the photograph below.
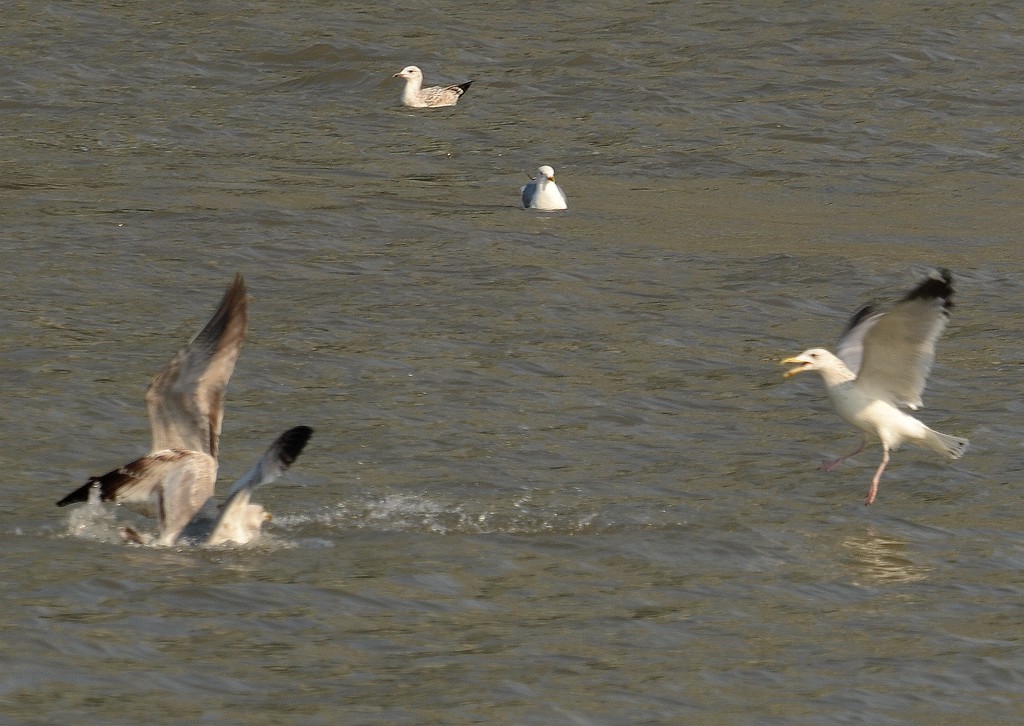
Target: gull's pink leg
x=878 y=475
x=833 y=464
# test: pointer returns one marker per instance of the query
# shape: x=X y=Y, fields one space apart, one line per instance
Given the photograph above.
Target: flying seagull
x=881 y=364
x=543 y=193
x=415 y=96
x=176 y=480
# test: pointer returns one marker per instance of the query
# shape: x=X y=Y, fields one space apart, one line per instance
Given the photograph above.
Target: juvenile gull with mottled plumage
x=415 y=96
x=185 y=402
x=882 y=363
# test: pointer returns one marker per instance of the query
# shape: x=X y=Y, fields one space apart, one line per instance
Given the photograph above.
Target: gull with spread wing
x=185 y=401
x=882 y=363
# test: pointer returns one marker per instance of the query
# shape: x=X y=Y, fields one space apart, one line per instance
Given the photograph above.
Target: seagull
x=542 y=192
x=414 y=96
x=239 y=521
x=185 y=401
x=882 y=363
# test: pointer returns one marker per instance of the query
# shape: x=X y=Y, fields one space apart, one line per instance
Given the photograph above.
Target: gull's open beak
x=397 y=75
x=793 y=371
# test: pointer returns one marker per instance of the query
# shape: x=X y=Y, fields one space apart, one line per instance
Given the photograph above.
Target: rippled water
x=557 y=476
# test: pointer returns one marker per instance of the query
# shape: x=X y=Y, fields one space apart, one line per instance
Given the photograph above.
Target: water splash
x=416 y=513
x=94 y=521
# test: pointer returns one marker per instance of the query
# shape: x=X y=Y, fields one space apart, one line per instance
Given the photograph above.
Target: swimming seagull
x=185 y=402
x=543 y=193
x=882 y=363
x=240 y=521
x=415 y=96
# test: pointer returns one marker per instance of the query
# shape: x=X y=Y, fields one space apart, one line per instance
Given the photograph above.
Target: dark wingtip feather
x=233 y=306
x=79 y=495
x=109 y=484
x=933 y=288
x=858 y=316
x=464 y=86
x=292 y=442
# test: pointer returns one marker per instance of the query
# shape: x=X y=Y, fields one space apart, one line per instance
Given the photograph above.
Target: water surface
x=557 y=476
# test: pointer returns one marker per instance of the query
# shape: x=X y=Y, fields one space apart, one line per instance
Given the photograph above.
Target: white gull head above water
x=415 y=96
x=882 y=363
x=543 y=193
x=176 y=480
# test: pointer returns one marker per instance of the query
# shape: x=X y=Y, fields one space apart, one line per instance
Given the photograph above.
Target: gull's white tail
x=952 y=446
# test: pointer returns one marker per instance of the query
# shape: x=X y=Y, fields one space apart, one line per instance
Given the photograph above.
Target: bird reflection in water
x=882 y=558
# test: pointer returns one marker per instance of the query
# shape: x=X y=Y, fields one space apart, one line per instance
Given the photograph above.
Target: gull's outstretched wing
x=850 y=349
x=133 y=484
x=240 y=521
x=899 y=346
x=186 y=399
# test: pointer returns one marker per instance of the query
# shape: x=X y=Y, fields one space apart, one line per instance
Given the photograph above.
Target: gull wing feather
x=186 y=399
x=133 y=483
x=235 y=523
x=850 y=349
x=182 y=495
x=443 y=95
x=899 y=347
x=281 y=454
x=528 y=191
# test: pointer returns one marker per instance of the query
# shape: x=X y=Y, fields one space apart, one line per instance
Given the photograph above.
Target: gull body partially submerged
x=415 y=96
x=176 y=480
x=543 y=193
x=881 y=364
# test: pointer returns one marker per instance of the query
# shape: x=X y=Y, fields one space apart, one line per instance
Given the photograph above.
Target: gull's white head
x=409 y=72
x=814 y=359
x=545 y=172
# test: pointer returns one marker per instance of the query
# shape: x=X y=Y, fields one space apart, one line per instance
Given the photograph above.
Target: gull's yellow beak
x=793 y=371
